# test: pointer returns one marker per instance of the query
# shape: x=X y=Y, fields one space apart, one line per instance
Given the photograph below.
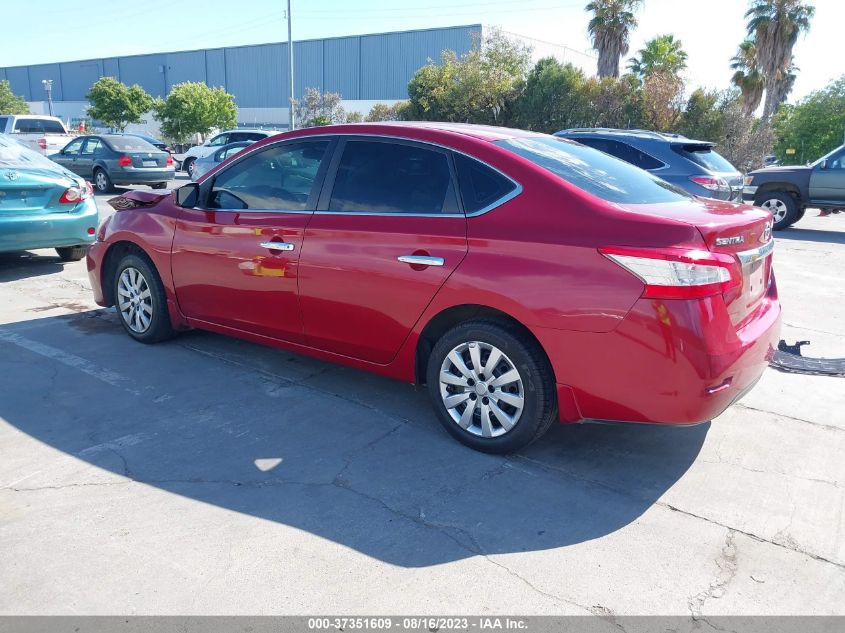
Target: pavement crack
x=726 y=564
x=829 y=427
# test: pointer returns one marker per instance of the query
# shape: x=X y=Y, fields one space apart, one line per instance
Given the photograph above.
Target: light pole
x=290 y=70
x=48 y=86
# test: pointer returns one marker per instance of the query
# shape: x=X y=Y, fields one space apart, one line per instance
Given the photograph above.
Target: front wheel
x=188 y=166
x=783 y=207
x=71 y=253
x=491 y=386
x=141 y=301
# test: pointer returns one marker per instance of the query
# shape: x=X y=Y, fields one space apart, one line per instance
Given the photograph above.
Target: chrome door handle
x=421 y=260
x=277 y=246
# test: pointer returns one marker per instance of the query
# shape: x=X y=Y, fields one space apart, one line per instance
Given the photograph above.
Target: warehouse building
x=363 y=69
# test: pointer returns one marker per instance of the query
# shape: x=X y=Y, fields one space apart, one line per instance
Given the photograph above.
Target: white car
x=219 y=140
x=43 y=134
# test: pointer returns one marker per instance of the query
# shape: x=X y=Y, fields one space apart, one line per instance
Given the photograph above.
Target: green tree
x=478 y=87
x=115 y=104
x=10 y=103
x=775 y=26
x=662 y=101
x=318 y=108
x=812 y=127
x=747 y=76
x=661 y=55
x=383 y=112
x=555 y=96
x=194 y=108
x=703 y=117
x=610 y=28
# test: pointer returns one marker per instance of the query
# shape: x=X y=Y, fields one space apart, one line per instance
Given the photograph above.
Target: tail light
x=712 y=184
x=42 y=143
x=124 y=161
x=672 y=273
x=169 y=161
x=74 y=195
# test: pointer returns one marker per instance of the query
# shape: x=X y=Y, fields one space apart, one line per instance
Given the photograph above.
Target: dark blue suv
x=691 y=165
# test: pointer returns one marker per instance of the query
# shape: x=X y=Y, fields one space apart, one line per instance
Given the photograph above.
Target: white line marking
x=71 y=360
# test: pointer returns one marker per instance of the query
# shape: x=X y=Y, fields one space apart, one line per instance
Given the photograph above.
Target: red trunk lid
x=743 y=231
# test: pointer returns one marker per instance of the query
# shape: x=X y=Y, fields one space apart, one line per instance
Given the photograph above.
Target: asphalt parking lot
x=212 y=476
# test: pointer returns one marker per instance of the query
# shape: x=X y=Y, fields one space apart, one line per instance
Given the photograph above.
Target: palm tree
x=747 y=76
x=775 y=26
x=609 y=29
x=663 y=54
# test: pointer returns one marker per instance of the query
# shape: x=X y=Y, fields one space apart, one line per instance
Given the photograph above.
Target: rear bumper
x=669 y=362
x=49 y=230
x=128 y=176
x=749 y=192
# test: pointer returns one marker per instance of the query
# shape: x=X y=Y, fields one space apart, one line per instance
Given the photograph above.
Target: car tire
x=188 y=166
x=141 y=301
x=782 y=206
x=507 y=406
x=159 y=185
x=71 y=253
x=102 y=182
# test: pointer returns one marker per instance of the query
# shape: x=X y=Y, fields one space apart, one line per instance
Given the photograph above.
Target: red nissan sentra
x=523 y=278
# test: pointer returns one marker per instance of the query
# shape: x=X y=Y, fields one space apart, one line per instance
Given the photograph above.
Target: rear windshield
x=595 y=172
x=130 y=143
x=39 y=126
x=704 y=156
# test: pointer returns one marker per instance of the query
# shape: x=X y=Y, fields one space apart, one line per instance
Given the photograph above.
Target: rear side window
x=595 y=172
x=704 y=156
x=384 y=177
x=130 y=144
x=623 y=151
x=480 y=185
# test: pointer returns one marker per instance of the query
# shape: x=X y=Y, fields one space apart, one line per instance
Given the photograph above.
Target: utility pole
x=290 y=71
x=48 y=86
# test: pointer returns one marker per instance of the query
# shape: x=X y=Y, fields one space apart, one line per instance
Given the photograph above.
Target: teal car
x=43 y=205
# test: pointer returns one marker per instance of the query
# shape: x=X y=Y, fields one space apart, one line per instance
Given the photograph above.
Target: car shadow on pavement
x=812 y=235
x=25 y=264
x=345 y=455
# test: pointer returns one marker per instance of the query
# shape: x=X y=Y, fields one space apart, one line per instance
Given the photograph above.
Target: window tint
x=4 y=121
x=704 y=156
x=595 y=172
x=280 y=177
x=73 y=146
x=91 y=146
x=250 y=136
x=218 y=141
x=52 y=127
x=480 y=185
x=379 y=177
x=38 y=126
x=624 y=151
x=130 y=144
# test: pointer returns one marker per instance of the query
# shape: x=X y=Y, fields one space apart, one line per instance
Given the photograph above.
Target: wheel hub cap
x=134 y=300
x=481 y=389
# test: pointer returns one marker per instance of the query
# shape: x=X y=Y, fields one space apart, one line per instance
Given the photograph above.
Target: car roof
x=635 y=133
x=387 y=128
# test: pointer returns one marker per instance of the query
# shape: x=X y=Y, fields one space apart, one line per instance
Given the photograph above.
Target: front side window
x=4 y=121
x=386 y=177
x=280 y=177
x=73 y=147
x=219 y=140
x=593 y=171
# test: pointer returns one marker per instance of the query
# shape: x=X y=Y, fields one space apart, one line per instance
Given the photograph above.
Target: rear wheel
x=102 y=182
x=783 y=207
x=491 y=386
x=159 y=185
x=141 y=301
x=71 y=253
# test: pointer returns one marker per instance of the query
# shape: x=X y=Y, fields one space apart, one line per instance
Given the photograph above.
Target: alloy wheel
x=481 y=389
x=100 y=181
x=135 y=300
x=777 y=208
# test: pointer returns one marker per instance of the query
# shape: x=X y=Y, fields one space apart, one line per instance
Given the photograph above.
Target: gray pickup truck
x=789 y=190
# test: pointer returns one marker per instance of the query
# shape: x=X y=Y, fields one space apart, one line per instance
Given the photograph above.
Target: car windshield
x=595 y=172
x=15 y=155
x=704 y=156
x=130 y=144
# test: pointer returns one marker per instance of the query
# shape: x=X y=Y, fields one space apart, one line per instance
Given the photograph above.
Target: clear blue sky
x=709 y=29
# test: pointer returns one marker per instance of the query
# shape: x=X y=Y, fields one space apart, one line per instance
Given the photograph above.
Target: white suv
x=219 y=140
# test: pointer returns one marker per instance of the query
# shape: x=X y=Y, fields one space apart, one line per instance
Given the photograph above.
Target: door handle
x=277 y=246
x=421 y=260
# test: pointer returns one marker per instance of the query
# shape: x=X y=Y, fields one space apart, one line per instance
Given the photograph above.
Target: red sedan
x=523 y=278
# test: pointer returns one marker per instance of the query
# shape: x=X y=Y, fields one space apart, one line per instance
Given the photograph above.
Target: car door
x=386 y=235
x=84 y=164
x=235 y=257
x=67 y=156
x=827 y=180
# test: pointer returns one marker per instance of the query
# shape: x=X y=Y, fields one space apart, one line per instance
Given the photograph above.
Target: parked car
x=787 y=191
x=43 y=205
x=210 y=161
x=522 y=277
x=219 y=140
x=43 y=134
x=117 y=159
x=694 y=166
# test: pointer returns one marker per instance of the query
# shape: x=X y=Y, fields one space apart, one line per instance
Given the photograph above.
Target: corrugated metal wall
x=358 y=67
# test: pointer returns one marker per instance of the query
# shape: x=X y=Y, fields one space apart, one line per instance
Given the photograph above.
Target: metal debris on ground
x=788 y=358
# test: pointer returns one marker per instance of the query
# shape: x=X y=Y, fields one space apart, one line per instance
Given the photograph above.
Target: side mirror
x=188 y=195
